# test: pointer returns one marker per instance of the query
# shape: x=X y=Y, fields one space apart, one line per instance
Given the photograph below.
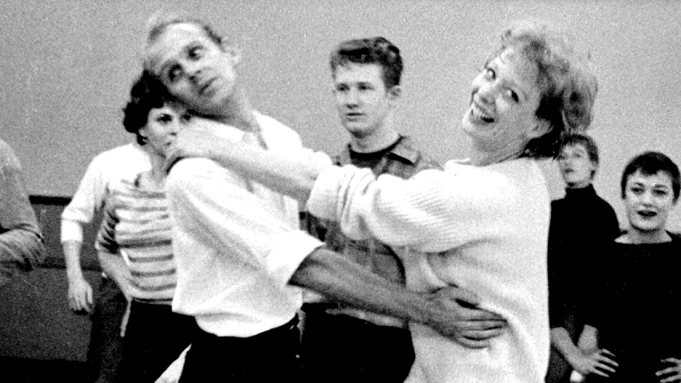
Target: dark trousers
x=106 y=345
x=340 y=348
x=154 y=338
x=271 y=356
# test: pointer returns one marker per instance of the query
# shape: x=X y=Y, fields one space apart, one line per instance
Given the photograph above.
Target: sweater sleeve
x=431 y=212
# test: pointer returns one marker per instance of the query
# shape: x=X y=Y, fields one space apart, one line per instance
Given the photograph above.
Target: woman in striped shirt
x=134 y=241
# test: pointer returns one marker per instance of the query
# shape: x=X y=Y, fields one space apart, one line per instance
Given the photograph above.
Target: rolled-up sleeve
x=21 y=243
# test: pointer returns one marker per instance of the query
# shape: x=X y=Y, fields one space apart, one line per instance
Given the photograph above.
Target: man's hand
x=197 y=140
x=671 y=373
x=599 y=362
x=80 y=295
x=462 y=321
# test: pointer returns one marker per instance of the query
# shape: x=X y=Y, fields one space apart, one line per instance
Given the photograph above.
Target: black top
x=582 y=223
x=636 y=311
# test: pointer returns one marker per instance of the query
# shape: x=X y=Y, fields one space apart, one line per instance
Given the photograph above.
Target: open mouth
x=479 y=114
x=647 y=214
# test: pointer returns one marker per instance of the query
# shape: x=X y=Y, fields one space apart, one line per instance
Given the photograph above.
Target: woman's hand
x=671 y=373
x=599 y=362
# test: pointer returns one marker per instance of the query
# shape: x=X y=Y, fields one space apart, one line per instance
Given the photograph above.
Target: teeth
x=479 y=114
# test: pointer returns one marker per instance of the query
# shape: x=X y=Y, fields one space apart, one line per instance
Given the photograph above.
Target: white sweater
x=483 y=228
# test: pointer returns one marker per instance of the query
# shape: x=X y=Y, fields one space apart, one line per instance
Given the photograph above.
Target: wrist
x=74 y=274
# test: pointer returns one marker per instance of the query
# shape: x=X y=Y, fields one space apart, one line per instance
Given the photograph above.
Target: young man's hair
x=375 y=50
x=650 y=163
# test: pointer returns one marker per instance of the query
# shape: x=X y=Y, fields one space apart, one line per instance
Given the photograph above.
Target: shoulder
x=275 y=129
x=8 y=159
x=125 y=161
x=409 y=151
x=196 y=173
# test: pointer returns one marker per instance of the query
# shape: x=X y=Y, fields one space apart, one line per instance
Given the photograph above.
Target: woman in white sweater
x=482 y=225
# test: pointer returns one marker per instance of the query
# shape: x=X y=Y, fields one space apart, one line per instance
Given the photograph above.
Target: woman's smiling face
x=501 y=117
x=648 y=199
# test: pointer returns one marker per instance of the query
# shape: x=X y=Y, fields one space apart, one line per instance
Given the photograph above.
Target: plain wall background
x=67 y=67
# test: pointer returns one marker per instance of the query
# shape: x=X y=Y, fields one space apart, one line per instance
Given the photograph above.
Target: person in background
x=631 y=334
x=340 y=343
x=582 y=223
x=134 y=241
x=107 y=313
x=21 y=242
x=481 y=226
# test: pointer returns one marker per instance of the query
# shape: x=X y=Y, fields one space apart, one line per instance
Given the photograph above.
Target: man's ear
x=233 y=51
x=394 y=93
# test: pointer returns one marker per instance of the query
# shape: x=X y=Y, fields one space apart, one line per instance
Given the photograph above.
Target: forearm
x=561 y=341
x=114 y=266
x=292 y=174
x=330 y=274
x=588 y=339
x=72 y=259
x=23 y=246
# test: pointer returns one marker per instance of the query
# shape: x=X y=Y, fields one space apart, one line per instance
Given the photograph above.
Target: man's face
x=362 y=100
x=196 y=70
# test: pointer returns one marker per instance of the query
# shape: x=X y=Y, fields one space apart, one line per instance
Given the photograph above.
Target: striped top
x=136 y=225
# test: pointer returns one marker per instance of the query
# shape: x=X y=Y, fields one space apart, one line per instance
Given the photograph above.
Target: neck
x=580 y=186
x=484 y=159
x=639 y=237
x=157 y=174
x=237 y=112
x=483 y=156
x=380 y=139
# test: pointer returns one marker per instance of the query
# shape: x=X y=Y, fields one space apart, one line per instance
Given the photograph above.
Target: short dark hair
x=650 y=163
x=147 y=93
x=375 y=50
x=585 y=140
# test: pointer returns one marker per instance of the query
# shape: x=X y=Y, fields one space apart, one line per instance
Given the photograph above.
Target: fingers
x=472 y=343
x=673 y=378
x=482 y=335
x=488 y=317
